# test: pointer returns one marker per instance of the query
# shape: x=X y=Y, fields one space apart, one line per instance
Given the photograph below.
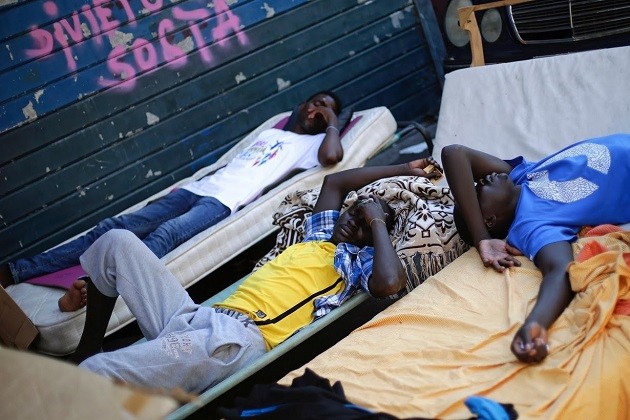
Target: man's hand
x=323 y=113
x=370 y=209
x=498 y=254
x=530 y=343
x=416 y=167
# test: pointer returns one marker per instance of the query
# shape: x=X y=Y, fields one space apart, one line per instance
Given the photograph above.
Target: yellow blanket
x=450 y=338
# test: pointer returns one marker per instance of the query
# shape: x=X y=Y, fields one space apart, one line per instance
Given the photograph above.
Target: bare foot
x=75 y=298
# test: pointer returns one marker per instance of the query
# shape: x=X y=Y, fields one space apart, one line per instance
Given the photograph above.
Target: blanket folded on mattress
x=450 y=338
x=424 y=235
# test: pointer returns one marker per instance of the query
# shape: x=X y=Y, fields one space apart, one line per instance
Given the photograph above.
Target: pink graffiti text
x=97 y=20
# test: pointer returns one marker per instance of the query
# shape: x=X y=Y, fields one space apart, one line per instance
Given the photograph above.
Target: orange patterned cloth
x=594 y=248
x=450 y=338
x=599 y=230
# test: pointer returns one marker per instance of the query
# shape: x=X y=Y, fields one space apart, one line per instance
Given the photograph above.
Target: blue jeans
x=162 y=225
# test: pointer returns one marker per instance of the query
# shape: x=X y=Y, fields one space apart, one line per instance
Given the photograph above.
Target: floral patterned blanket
x=424 y=234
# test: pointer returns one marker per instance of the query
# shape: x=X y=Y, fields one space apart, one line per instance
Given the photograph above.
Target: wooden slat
x=104 y=105
x=74 y=86
x=73 y=147
x=94 y=197
x=161 y=136
x=64 y=172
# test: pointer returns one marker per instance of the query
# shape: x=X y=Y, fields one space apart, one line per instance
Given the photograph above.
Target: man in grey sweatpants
x=194 y=347
x=187 y=344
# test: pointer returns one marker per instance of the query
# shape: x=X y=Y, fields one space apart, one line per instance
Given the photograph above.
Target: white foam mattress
x=536 y=107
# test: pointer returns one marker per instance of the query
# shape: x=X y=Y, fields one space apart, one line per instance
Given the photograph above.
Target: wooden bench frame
x=468 y=22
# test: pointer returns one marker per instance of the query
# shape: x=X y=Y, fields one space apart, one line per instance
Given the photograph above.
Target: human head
x=317 y=124
x=497 y=196
x=352 y=228
x=338 y=105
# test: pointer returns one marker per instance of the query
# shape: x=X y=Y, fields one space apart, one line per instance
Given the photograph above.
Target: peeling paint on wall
x=38 y=95
x=396 y=17
x=186 y=44
x=270 y=10
x=151 y=173
x=120 y=38
x=29 y=112
x=240 y=78
x=282 y=84
x=152 y=118
x=86 y=31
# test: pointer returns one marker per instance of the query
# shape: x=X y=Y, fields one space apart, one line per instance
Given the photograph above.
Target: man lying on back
x=166 y=223
x=194 y=347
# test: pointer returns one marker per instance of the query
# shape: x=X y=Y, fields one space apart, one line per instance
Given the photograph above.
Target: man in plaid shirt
x=194 y=347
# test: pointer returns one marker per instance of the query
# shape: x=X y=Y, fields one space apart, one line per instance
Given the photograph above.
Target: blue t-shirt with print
x=583 y=184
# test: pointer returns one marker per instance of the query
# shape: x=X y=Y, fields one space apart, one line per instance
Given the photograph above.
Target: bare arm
x=388 y=275
x=336 y=186
x=463 y=166
x=330 y=151
x=555 y=294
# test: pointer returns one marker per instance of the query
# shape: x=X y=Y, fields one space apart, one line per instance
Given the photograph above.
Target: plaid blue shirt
x=353 y=264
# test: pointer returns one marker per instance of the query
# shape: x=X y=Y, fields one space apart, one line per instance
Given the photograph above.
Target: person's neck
x=513 y=204
x=296 y=129
x=515 y=197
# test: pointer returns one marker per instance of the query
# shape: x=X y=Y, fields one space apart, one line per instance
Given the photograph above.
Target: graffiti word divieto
x=96 y=19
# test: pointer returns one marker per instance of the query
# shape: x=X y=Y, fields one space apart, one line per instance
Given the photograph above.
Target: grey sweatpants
x=188 y=346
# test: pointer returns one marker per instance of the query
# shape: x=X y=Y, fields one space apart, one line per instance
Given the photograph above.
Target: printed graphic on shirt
x=597 y=158
x=175 y=344
x=261 y=152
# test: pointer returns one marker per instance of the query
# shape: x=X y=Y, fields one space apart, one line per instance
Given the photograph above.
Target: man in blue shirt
x=538 y=207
